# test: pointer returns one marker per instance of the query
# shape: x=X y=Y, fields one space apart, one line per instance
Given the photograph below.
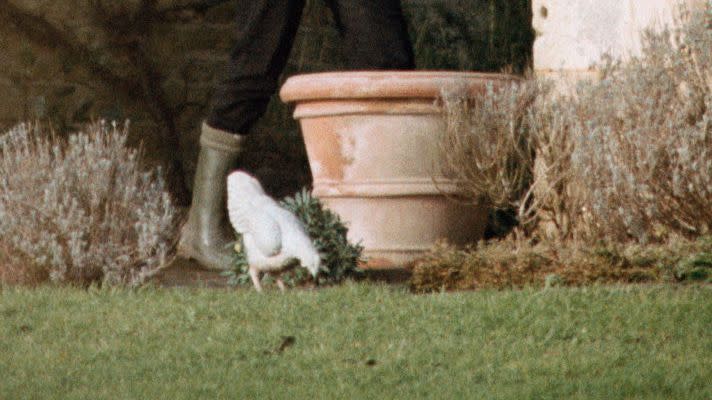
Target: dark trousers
x=373 y=32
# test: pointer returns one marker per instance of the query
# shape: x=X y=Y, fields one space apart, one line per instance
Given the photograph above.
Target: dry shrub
x=559 y=195
x=486 y=147
x=512 y=148
x=646 y=152
x=494 y=265
x=627 y=157
x=82 y=210
x=15 y=271
x=611 y=183
x=510 y=264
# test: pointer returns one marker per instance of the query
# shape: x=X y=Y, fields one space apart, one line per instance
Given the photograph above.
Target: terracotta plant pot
x=372 y=142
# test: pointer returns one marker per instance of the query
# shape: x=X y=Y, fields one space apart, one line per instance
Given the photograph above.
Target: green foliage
x=339 y=258
x=552 y=280
x=697 y=267
x=478 y=35
x=238 y=275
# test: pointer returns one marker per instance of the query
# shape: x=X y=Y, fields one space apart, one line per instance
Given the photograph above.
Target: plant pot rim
x=384 y=84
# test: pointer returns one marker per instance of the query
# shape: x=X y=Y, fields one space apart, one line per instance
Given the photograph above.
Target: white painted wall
x=573 y=35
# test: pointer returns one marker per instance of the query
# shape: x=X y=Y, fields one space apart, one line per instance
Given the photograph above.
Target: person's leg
x=266 y=30
x=265 y=34
x=375 y=35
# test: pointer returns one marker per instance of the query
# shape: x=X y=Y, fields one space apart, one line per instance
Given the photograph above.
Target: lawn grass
x=357 y=341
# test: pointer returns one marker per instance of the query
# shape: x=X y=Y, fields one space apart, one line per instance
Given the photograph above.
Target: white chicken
x=274 y=239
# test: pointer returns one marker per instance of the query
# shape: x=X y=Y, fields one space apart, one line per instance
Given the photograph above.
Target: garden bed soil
x=188 y=273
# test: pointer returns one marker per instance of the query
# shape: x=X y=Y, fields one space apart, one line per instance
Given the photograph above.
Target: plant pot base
x=395 y=231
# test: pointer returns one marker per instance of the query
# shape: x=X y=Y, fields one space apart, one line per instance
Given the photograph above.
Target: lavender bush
x=83 y=209
x=645 y=152
x=626 y=157
x=487 y=148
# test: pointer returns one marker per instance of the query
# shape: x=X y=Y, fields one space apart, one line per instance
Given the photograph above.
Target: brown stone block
x=179 y=92
x=6 y=124
x=196 y=70
x=12 y=103
x=222 y=14
x=170 y=43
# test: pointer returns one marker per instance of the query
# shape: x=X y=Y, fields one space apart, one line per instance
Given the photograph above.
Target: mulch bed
x=188 y=273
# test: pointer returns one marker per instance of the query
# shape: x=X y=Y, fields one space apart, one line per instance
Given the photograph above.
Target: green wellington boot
x=206 y=235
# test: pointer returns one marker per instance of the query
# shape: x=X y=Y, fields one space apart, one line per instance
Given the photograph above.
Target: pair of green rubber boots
x=206 y=236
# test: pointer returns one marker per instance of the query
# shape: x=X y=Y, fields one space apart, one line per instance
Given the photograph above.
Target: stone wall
x=155 y=62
